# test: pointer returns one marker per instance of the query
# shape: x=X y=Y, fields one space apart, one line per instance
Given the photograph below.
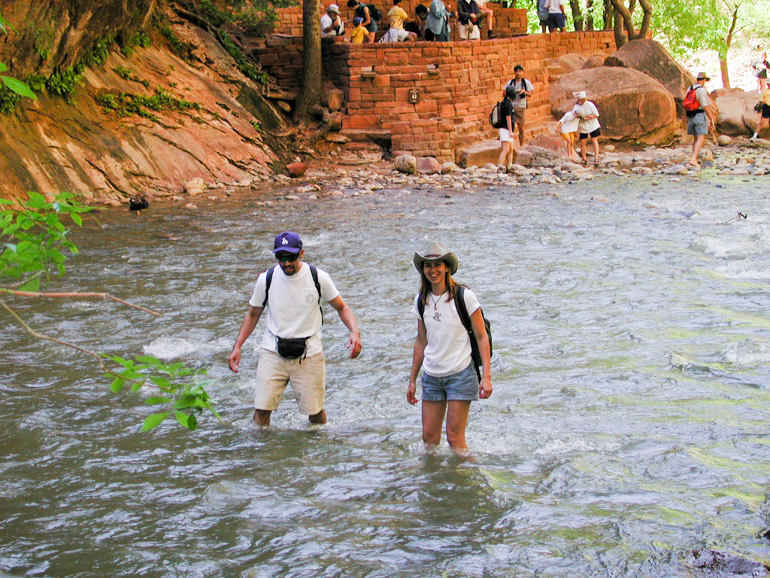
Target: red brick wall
x=455 y=97
x=454 y=101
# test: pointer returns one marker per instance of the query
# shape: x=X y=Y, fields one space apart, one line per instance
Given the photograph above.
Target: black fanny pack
x=292 y=348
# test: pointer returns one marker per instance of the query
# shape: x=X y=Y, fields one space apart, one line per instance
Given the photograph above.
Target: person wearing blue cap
x=291 y=350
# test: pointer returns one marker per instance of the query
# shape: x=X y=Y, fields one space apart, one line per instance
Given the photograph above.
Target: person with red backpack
x=695 y=103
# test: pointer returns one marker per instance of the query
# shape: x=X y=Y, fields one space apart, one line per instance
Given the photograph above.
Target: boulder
x=480 y=153
x=449 y=167
x=594 y=61
x=730 y=119
x=428 y=166
x=566 y=63
x=296 y=170
x=551 y=142
x=651 y=58
x=543 y=157
x=632 y=105
x=334 y=99
x=724 y=140
x=194 y=186
x=405 y=164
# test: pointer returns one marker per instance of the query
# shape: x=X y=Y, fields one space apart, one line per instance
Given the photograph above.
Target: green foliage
x=35 y=239
x=8 y=100
x=63 y=82
x=243 y=64
x=126 y=104
x=256 y=22
x=123 y=72
x=140 y=39
x=180 y=388
x=99 y=52
x=216 y=16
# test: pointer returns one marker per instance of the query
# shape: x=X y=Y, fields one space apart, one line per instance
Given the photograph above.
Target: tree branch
x=79 y=296
x=37 y=335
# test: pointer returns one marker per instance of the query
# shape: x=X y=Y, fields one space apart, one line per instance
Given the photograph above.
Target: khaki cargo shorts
x=307 y=378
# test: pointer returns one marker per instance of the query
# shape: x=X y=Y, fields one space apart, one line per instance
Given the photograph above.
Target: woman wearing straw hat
x=443 y=350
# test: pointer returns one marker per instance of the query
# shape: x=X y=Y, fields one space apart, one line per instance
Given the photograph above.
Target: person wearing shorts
x=505 y=133
x=522 y=89
x=443 y=351
x=397 y=16
x=291 y=350
x=588 y=125
x=697 y=120
x=556 y=18
x=764 y=113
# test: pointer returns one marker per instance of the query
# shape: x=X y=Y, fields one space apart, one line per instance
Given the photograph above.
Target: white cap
x=579 y=94
x=333 y=8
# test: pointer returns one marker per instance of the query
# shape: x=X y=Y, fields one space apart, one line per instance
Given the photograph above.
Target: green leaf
x=117 y=385
x=183 y=419
x=18 y=87
x=154 y=420
x=156 y=400
x=3 y=67
x=77 y=219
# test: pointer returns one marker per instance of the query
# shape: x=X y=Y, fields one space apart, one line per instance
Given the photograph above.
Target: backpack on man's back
x=691 y=103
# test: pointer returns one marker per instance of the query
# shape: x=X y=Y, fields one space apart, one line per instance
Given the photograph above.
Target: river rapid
x=627 y=432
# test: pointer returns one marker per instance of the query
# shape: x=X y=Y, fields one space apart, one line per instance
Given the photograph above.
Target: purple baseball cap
x=288 y=241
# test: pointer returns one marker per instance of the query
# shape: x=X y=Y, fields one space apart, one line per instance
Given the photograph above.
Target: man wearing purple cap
x=291 y=348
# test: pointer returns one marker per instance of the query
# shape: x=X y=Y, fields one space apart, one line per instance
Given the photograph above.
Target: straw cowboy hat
x=702 y=76
x=434 y=250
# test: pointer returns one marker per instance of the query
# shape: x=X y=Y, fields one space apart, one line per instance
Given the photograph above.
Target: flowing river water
x=627 y=431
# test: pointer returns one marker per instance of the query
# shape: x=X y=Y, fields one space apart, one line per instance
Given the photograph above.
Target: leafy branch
x=36 y=245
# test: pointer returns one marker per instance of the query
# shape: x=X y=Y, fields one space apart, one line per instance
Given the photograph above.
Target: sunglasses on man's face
x=287 y=257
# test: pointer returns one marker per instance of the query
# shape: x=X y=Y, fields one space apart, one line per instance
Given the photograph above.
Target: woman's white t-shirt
x=292 y=306
x=588 y=108
x=449 y=348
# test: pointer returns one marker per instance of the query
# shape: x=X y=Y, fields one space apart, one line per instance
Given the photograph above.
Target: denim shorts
x=698 y=124
x=460 y=386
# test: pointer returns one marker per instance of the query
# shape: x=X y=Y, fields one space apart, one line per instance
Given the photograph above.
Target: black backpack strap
x=462 y=311
x=314 y=274
x=268 y=281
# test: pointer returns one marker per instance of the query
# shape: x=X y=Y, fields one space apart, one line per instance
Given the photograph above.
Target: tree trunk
x=728 y=41
x=620 y=35
x=725 y=71
x=310 y=86
x=608 y=14
x=589 y=14
x=577 y=15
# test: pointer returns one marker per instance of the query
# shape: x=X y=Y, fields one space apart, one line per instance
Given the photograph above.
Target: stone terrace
x=457 y=83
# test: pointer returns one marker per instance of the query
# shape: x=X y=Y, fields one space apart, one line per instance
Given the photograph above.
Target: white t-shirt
x=569 y=122
x=518 y=85
x=555 y=6
x=292 y=306
x=588 y=108
x=449 y=348
x=327 y=21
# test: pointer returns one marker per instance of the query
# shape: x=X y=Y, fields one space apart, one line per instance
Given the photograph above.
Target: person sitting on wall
x=359 y=33
x=361 y=11
x=331 y=22
x=419 y=24
x=438 y=22
x=396 y=33
x=486 y=16
x=468 y=20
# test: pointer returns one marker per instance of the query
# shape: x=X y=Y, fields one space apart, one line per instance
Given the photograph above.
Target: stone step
x=379 y=136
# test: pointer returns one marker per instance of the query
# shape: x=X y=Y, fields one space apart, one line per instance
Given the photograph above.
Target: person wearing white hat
x=331 y=22
x=588 y=126
x=698 y=122
x=443 y=349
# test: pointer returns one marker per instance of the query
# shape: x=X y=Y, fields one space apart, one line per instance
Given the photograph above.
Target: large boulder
x=736 y=111
x=480 y=153
x=566 y=63
x=651 y=58
x=632 y=105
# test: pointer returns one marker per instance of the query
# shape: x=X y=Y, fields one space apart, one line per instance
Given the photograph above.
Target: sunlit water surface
x=628 y=425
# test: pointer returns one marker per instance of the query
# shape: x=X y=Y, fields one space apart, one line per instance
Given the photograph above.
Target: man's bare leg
x=262 y=417
x=318 y=418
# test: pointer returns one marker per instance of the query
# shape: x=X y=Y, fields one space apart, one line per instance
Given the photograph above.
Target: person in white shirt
x=588 y=125
x=443 y=350
x=331 y=22
x=556 y=18
x=567 y=127
x=522 y=89
x=291 y=350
